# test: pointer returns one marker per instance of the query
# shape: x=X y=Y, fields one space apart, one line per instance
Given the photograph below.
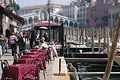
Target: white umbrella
x=43 y=27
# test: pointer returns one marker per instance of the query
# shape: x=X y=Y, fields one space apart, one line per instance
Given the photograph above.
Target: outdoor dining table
x=33 y=53
x=46 y=52
x=28 y=61
x=30 y=56
x=21 y=71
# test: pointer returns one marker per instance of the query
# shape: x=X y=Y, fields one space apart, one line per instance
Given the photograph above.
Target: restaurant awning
x=46 y=25
x=10 y=14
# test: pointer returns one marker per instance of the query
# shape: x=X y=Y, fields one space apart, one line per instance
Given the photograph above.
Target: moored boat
x=117 y=56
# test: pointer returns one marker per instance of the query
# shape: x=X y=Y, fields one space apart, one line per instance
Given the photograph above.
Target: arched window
x=43 y=15
x=61 y=20
x=75 y=25
x=25 y=21
x=36 y=19
x=71 y=24
x=51 y=18
x=56 y=20
x=30 y=20
x=66 y=22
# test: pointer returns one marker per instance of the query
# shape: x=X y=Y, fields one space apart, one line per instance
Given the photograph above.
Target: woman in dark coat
x=22 y=42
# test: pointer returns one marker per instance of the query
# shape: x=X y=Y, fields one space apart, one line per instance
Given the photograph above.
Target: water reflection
x=95 y=67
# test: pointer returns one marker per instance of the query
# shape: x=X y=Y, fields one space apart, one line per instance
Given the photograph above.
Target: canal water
x=95 y=67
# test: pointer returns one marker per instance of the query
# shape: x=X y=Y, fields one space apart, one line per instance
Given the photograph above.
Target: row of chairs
x=5 y=64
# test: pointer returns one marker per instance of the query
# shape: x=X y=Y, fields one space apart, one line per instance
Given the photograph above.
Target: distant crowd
x=18 y=41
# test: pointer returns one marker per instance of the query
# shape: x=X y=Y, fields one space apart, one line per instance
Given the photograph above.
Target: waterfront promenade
x=52 y=68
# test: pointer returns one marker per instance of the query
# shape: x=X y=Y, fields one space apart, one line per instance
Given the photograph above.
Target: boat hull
x=117 y=59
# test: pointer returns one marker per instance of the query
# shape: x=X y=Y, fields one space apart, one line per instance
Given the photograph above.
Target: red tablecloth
x=46 y=52
x=30 y=56
x=33 y=53
x=22 y=71
x=35 y=50
x=28 y=61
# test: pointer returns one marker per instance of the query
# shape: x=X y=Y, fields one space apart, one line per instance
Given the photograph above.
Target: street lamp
x=49 y=20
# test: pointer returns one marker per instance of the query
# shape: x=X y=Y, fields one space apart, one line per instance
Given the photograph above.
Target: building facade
x=77 y=11
x=70 y=11
x=114 y=12
x=98 y=14
x=9 y=18
x=41 y=15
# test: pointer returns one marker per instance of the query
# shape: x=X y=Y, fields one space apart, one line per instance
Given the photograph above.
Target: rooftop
x=39 y=6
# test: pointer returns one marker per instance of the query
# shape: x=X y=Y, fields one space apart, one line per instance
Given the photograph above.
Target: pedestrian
x=19 y=41
x=8 y=34
x=22 y=42
x=2 y=43
x=42 y=44
x=31 y=38
x=13 y=43
x=37 y=38
x=17 y=34
x=46 y=36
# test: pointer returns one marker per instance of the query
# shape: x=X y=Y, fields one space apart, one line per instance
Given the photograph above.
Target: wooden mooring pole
x=83 y=36
x=108 y=69
x=99 y=40
x=107 y=40
x=86 y=31
x=74 y=75
x=104 y=46
x=93 y=40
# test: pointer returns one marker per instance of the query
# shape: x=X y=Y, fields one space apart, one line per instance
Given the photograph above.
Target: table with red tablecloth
x=28 y=61
x=34 y=53
x=46 y=52
x=30 y=56
x=21 y=71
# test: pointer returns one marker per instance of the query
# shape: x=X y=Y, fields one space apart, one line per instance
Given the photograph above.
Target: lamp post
x=49 y=20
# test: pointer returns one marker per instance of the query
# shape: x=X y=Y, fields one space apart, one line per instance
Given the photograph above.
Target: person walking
x=2 y=43
x=46 y=36
x=31 y=38
x=13 y=43
x=8 y=34
x=22 y=42
x=19 y=41
x=37 y=39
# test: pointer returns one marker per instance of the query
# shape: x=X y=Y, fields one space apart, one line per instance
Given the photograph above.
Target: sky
x=24 y=3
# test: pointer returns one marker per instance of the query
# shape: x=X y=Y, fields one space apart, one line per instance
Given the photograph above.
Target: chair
x=33 y=62
x=46 y=57
x=30 y=49
x=21 y=53
x=5 y=70
x=6 y=62
x=36 y=70
x=41 y=55
x=15 y=59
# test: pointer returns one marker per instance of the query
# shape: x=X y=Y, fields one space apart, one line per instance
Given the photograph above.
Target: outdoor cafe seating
x=26 y=66
x=20 y=71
